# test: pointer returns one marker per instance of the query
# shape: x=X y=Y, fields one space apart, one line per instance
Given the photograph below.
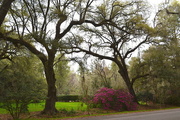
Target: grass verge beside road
x=68 y=106
x=77 y=110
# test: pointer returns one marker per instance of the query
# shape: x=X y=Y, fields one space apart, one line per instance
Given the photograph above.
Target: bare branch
x=135 y=48
x=59 y=59
x=95 y=54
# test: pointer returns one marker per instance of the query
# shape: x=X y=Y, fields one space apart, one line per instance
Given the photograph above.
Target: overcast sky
x=155 y=2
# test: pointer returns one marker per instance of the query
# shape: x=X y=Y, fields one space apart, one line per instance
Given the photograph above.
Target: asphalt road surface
x=172 y=114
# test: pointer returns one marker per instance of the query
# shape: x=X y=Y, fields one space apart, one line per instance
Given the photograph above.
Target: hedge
x=68 y=98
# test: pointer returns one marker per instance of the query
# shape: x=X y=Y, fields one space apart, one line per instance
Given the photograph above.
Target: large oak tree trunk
x=126 y=78
x=132 y=92
x=51 y=96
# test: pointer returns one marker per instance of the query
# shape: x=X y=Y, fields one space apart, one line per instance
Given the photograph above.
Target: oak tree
x=33 y=21
x=122 y=30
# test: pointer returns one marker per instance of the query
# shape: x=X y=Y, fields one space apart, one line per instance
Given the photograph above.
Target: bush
x=67 y=98
x=173 y=100
x=19 y=86
x=145 y=96
x=15 y=107
x=118 y=100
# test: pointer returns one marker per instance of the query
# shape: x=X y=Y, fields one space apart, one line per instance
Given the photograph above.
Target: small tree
x=19 y=86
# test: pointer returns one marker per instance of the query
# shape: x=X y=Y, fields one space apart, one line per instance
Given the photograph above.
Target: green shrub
x=68 y=98
x=145 y=96
x=19 y=86
x=173 y=100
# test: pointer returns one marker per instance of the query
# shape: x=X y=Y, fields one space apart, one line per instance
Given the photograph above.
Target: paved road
x=173 y=114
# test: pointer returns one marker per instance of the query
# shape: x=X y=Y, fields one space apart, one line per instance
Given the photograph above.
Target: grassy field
x=59 y=105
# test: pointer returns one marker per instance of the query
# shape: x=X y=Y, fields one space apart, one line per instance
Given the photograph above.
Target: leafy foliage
x=20 y=86
x=161 y=60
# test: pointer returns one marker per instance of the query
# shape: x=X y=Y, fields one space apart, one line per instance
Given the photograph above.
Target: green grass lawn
x=59 y=105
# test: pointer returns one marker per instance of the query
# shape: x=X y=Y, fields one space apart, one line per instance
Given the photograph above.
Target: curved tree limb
x=26 y=44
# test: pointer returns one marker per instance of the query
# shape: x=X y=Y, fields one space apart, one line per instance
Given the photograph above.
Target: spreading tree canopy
x=124 y=28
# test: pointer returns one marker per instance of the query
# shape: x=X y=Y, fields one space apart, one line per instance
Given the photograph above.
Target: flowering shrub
x=119 y=100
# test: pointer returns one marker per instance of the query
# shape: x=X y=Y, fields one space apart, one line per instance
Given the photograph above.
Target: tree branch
x=3 y=69
x=175 y=13
x=132 y=50
x=39 y=54
x=6 y=5
x=95 y=54
x=59 y=59
x=137 y=77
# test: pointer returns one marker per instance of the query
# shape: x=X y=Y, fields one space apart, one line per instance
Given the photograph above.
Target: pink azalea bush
x=119 y=100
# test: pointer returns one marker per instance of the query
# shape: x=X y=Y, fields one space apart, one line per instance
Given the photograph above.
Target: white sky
x=155 y=2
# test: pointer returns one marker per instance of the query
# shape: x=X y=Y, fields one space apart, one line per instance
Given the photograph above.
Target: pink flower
x=114 y=99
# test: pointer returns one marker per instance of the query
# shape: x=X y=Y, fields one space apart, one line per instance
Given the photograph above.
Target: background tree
x=73 y=84
x=172 y=11
x=163 y=74
x=124 y=30
x=117 y=81
x=139 y=71
x=168 y=27
x=101 y=75
x=62 y=72
x=162 y=59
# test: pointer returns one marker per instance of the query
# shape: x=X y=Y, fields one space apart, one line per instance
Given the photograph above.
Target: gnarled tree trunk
x=51 y=80
x=129 y=85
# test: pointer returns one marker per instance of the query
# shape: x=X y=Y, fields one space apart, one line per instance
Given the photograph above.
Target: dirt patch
x=5 y=117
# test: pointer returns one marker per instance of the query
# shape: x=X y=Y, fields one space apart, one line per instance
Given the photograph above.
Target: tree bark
x=6 y=5
x=125 y=76
x=132 y=92
x=51 y=96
